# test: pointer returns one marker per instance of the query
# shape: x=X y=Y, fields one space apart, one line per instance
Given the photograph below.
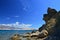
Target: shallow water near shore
x=7 y=34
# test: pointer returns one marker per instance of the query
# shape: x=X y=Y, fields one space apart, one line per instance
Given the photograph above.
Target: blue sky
x=26 y=11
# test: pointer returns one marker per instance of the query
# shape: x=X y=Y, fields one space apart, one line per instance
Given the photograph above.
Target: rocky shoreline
x=48 y=31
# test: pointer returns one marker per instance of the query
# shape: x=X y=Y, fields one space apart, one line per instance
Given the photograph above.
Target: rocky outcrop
x=52 y=24
x=49 y=31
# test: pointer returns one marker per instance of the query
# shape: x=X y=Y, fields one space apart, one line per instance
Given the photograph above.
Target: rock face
x=52 y=24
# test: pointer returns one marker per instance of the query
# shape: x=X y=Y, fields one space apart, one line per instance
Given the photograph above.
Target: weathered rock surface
x=52 y=25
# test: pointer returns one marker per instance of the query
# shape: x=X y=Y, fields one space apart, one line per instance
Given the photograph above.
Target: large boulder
x=15 y=37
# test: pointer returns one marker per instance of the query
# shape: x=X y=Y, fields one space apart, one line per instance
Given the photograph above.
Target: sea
x=6 y=34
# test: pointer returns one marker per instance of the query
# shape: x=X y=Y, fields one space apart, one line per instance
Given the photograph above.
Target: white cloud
x=18 y=25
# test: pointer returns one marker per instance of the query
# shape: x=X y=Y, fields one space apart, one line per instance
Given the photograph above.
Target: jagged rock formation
x=52 y=26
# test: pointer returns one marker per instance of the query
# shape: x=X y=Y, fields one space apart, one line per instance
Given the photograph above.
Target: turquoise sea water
x=6 y=34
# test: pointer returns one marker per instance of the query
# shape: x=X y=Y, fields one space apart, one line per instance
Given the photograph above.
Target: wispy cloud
x=8 y=18
x=25 y=9
x=16 y=16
